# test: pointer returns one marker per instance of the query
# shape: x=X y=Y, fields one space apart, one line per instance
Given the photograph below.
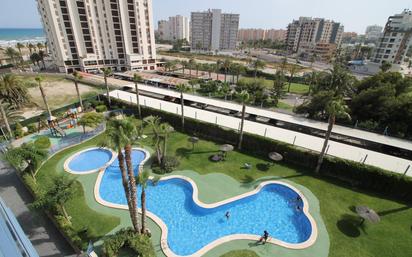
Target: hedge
x=352 y=173
x=42 y=142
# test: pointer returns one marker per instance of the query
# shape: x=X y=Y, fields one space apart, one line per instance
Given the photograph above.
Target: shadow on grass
x=186 y=152
x=350 y=225
x=392 y=211
x=263 y=166
x=248 y=180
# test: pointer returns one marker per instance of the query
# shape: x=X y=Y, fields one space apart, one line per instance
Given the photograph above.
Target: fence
x=67 y=142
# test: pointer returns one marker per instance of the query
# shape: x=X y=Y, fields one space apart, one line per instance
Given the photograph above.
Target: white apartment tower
x=396 y=41
x=88 y=35
x=213 y=30
x=176 y=28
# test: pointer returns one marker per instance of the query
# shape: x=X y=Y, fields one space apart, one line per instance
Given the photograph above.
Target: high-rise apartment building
x=306 y=35
x=373 y=32
x=213 y=30
x=261 y=34
x=396 y=40
x=176 y=28
x=89 y=35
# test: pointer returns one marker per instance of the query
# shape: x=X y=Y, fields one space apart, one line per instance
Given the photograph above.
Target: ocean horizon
x=12 y=36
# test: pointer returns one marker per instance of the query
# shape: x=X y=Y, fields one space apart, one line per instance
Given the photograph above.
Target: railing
x=67 y=142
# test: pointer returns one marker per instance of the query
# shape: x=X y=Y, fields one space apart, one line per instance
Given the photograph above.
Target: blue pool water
x=90 y=160
x=192 y=227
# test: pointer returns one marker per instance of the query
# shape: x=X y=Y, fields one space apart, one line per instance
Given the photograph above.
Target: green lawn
x=284 y=106
x=82 y=215
x=392 y=237
x=241 y=253
x=295 y=88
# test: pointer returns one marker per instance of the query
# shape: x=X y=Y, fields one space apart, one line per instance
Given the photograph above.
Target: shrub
x=140 y=244
x=101 y=108
x=96 y=103
x=32 y=128
x=42 y=142
x=18 y=131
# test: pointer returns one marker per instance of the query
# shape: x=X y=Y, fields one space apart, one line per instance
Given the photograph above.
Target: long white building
x=176 y=28
x=213 y=30
x=89 y=35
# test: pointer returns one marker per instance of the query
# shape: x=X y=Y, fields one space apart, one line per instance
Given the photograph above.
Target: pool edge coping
x=107 y=164
x=195 y=196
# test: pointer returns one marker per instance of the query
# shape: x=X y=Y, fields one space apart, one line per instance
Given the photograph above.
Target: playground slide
x=60 y=131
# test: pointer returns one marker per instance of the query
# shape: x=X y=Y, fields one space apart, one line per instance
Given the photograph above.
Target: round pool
x=90 y=160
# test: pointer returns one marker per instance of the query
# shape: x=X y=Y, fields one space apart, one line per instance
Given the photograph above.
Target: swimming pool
x=89 y=160
x=190 y=227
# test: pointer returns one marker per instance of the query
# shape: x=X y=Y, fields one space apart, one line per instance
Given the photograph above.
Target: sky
x=355 y=15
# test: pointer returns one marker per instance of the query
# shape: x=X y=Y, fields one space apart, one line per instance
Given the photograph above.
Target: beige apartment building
x=307 y=36
x=261 y=34
x=88 y=35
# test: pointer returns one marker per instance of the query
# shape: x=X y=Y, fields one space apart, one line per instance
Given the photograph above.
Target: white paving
x=336 y=149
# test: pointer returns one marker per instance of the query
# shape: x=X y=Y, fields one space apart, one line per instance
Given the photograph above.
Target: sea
x=9 y=36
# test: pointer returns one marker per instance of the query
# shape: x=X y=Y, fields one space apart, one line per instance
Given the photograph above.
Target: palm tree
x=42 y=55
x=142 y=180
x=293 y=69
x=192 y=64
x=136 y=79
x=35 y=59
x=237 y=69
x=43 y=95
x=164 y=130
x=76 y=78
x=161 y=132
x=182 y=88
x=335 y=108
x=118 y=136
x=243 y=97
x=106 y=73
x=184 y=64
x=12 y=94
x=20 y=46
x=30 y=46
x=12 y=54
x=257 y=65
x=193 y=83
x=40 y=46
x=8 y=114
x=226 y=66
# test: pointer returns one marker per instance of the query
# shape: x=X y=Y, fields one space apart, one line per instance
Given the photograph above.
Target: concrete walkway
x=44 y=236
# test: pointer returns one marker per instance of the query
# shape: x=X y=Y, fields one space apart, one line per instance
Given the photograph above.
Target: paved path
x=336 y=149
x=44 y=236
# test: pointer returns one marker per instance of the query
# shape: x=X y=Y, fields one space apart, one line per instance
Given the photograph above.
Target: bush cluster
x=101 y=108
x=140 y=244
x=42 y=142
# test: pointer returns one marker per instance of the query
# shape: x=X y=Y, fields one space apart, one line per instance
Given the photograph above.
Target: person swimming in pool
x=227 y=215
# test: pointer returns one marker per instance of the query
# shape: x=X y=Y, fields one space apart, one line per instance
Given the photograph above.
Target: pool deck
x=214 y=188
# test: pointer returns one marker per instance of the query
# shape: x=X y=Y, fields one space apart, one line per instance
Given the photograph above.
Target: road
x=336 y=149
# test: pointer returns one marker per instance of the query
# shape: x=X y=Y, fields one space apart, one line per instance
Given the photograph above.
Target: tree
x=237 y=69
x=142 y=180
x=136 y=79
x=193 y=83
x=119 y=136
x=43 y=95
x=243 y=98
x=182 y=88
x=293 y=69
x=13 y=94
x=8 y=114
x=191 y=65
x=160 y=132
x=35 y=59
x=386 y=66
x=334 y=108
x=184 y=64
x=30 y=46
x=226 y=67
x=256 y=66
x=12 y=54
x=20 y=46
x=61 y=190
x=76 y=78
x=107 y=72
x=42 y=55
x=91 y=119
x=27 y=158
x=278 y=87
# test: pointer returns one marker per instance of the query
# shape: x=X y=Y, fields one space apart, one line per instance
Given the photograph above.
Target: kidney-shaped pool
x=192 y=225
